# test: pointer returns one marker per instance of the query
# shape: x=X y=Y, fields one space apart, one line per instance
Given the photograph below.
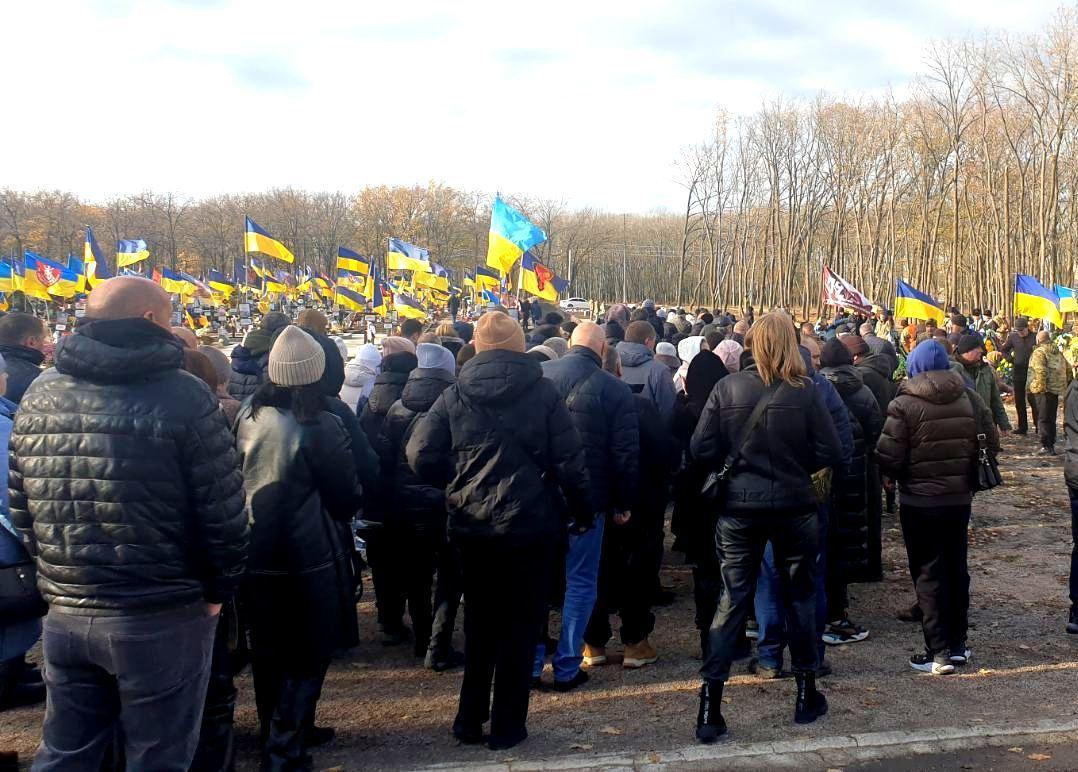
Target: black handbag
x=987 y=474
x=715 y=483
x=19 y=597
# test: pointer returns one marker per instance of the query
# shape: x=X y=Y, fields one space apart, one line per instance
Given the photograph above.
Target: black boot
x=710 y=725
x=810 y=703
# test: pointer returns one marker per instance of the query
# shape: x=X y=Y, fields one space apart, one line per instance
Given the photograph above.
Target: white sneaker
x=926 y=663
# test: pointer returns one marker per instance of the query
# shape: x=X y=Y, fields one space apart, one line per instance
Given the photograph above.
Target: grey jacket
x=648 y=376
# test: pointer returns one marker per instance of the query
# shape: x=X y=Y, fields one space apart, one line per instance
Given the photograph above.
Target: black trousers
x=626 y=581
x=1046 y=409
x=216 y=747
x=936 y=545
x=447 y=590
x=286 y=694
x=1020 y=376
x=505 y=591
x=741 y=541
x=403 y=563
x=1074 y=549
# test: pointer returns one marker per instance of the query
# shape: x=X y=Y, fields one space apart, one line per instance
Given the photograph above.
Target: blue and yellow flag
x=914 y=304
x=490 y=297
x=172 y=281
x=408 y=307
x=485 y=277
x=97 y=268
x=9 y=280
x=1068 y=300
x=352 y=262
x=511 y=235
x=402 y=256
x=1034 y=299
x=431 y=281
x=350 y=299
x=45 y=279
x=539 y=280
x=218 y=283
x=257 y=239
x=78 y=268
x=130 y=251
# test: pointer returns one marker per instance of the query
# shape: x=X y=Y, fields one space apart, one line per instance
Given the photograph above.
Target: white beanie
x=296 y=359
x=369 y=355
x=665 y=349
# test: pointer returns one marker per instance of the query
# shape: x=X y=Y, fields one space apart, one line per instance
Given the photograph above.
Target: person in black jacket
x=249 y=359
x=603 y=413
x=398 y=361
x=1018 y=348
x=413 y=532
x=22 y=344
x=849 y=530
x=501 y=443
x=300 y=480
x=125 y=484
x=768 y=496
x=1070 y=474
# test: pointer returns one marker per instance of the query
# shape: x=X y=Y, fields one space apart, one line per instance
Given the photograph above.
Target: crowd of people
x=190 y=513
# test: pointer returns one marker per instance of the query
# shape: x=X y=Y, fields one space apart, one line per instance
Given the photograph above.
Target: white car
x=576 y=304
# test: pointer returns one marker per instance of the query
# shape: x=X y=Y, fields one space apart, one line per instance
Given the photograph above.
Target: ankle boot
x=810 y=703
x=710 y=725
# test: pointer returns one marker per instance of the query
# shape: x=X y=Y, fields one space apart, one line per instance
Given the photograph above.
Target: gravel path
x=391 y=714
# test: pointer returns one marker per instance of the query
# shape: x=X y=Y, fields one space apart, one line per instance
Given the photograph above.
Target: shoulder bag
x=986 y=474
x=715 y=483
x=19 y=597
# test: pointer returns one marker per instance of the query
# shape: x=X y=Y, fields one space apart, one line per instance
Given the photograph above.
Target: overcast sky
x=590 y=100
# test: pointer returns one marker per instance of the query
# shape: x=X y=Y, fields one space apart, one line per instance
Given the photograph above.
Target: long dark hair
x=305 y=402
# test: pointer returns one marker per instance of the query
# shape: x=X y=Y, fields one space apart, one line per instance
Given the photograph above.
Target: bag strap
x=982 y=436
x=746 y=429
x=578 y=387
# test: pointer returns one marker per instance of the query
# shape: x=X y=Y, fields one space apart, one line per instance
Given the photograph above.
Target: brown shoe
x=639 y=654
x=594 y=656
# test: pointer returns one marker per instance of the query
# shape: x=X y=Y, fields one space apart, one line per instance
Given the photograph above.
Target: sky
x=591 y=101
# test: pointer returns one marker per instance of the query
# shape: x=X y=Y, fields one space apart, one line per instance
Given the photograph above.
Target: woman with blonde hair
x=765 y=430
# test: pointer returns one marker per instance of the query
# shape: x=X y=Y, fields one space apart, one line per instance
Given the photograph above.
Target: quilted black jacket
x=124 y=479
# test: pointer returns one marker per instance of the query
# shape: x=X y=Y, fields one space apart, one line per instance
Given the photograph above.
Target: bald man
x=126 y=487
x=1049 y=375
x=601 y=408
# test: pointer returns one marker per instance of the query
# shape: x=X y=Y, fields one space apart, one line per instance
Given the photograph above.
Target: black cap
x=968 y=343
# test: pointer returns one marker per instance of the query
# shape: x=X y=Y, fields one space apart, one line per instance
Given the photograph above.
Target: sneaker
x=752 y=630
x=639 y=654
x=961 y=655
x=594 y=656
x=1045 y=452
x=765 y=671
x=842 y=632
x=1072 y=625
x=936 y=665
x=567 y=686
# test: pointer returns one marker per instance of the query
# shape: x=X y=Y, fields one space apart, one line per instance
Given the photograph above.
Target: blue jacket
x=18 y=638
x=639 y=368
x=604 y=415
x=840 y=416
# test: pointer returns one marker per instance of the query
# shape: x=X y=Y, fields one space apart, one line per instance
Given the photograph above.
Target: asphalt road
x=1024 y=757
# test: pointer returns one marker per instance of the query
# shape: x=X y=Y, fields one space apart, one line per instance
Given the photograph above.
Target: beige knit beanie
x=496 y=330
x=296 y=359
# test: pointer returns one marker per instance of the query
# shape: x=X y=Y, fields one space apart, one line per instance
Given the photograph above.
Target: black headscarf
x=704 y=372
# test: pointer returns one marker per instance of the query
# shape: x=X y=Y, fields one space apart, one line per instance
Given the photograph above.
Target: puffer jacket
x=124 y=478
x=794 y=438
x=984 y=381
x=501 y=443
x=358 y=382
x=386 y=390
x=416 y=504
x=640 y=368
x=836 y=408
x=1049 y=372
x=249 y=362
x=301 y=485
x=23 y=366
x=876 y=371
x=1070 y=432
x=604 y=413
x=929 y=440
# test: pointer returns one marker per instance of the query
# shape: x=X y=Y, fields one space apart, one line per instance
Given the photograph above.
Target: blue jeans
x=770 y=605
x=581 y=588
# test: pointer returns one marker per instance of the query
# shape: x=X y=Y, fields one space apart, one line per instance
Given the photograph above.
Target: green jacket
x=1048 y=370
x=984 y=383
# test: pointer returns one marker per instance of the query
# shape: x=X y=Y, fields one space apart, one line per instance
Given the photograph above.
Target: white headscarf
x=687 y=350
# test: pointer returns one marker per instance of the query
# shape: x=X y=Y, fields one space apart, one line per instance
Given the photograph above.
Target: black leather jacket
x=124 y=477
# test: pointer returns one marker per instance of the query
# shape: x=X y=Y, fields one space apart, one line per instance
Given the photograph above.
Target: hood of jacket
x=845 y=378
x=498 y=376
x=634 y=354
x=359 y=374
x=386 y=391
x=243 y=361
x=118 y=351
x=25 y=353
x=423 y=388
x=258 y=342
x=878 y=362
x=940 y=387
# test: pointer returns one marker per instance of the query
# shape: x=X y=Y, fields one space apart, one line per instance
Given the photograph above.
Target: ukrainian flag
x=408 y=307
x=218 y=283
x=511 y=235
x=257 y=239
x=439 y=270
x=130 y=251
x=350 y=299
x=485 y=277
x=323 y=287
x=403 y=256
x=272 y=283
x=490 y=297
x=539 y=280
x=378 y=300
x=353 y=262
x=78 y=268
x=97 y=268
x=9 y=281
x=431 y=281
x=1068 y=301
x=1034 y=299
x=914 y=304
x=172 y=281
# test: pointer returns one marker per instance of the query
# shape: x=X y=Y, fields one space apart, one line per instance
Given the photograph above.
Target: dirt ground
x=392 y=714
